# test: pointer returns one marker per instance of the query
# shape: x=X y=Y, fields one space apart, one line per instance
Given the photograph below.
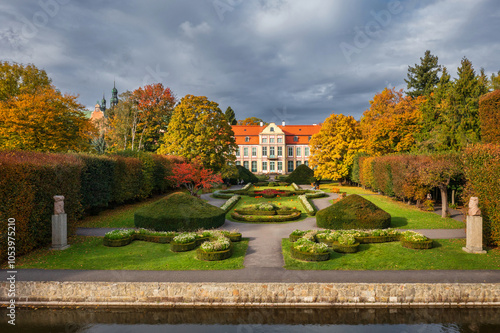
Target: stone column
x=59 y=225
x=474 y=241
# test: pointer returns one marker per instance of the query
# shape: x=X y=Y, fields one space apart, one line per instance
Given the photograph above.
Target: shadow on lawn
x=398 y=221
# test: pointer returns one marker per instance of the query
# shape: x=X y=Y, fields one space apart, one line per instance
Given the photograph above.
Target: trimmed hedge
x=308 y=206
x=301 y=175
x=28 y=183
x=417 y=245
x=245 y=174
x=268 y=218
x=96 y=182
x=183 y=247
x=353 y=212
x=230 y=203
x=179 y=212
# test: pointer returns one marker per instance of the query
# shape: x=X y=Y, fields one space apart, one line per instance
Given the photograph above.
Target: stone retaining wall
x=122 y=294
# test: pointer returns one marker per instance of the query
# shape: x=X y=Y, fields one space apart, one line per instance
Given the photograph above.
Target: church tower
x=114 y=96
x=103 y=104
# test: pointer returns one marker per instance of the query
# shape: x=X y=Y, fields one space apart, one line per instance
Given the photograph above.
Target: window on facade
x=271 y=151
x=254 y=166
x=299 y=151
x=254 y=151
x=245 y=152
x=238 y=163
x=290 y=166
x=309 y=138
x=306 y=163
x=290 y=151
x=271 y=140
x=298 y=163
x=271 y=129
x=271 y=166
x=247 y=139
x=264 y=166
x=280 y=166
x=245 y=164
x=264 y=151
x=295 y=138
x=264 y=140
x=280 y=151
x=306 y=151
x=238 y=151
x=280 y=139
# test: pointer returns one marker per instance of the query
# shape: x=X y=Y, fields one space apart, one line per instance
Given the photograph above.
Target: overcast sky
x=293 y=60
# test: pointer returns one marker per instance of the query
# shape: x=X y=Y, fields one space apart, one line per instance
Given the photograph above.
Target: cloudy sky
x=293 y=60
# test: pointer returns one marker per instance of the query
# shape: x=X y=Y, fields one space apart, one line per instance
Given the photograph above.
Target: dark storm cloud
x=278 y=60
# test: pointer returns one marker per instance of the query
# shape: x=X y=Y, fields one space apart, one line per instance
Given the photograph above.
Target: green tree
x=495 y=81
x=199 y=130
x=17 y=79
x=333 y=148
x=230 y=116
x=251 y=121
x=122 y=123
x=423 y=78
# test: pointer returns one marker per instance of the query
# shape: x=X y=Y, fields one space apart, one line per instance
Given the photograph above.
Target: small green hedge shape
x=308 y=250
x=179 y=212
x=218 y=249
x=414 y=240
x=353 y=212
x=302 y=175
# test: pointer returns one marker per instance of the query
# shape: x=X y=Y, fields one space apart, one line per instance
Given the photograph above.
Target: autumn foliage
x=194 y=177
x=489 y=113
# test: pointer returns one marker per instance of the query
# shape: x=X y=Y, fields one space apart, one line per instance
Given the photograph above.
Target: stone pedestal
x=474 y=242
x=59 y=232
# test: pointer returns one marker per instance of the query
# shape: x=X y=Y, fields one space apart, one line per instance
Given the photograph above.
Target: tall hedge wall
x=482 y=171
x=489 y=114
x=89 y=183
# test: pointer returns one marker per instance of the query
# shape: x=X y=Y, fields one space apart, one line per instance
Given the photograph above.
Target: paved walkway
x=264 y=261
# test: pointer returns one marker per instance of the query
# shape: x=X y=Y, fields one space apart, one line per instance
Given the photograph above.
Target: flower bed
x=308 y=250
x=414 y=240
x=122 y=237
x=266 y=218
x=342 y=248
x=218 y=249
x=117 y=242
x=307 y=205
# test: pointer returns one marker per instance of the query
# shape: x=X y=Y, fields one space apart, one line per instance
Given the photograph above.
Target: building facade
x=273 y=149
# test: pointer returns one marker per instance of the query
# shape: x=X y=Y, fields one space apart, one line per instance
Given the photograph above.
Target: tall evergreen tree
x=424 y=77
x=230 y=116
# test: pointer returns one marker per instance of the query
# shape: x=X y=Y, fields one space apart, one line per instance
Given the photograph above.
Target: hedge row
x=266 y=218
x=29 y=180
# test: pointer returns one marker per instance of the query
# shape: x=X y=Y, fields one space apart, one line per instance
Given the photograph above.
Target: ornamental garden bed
x=206 y=240
x=266 y=212
x=305 y=248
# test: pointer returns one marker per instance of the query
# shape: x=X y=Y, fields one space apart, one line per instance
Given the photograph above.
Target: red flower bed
x=270 y=193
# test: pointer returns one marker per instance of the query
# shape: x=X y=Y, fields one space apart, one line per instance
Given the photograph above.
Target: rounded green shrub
x=302 y=175
x=179 y=212
x=245 y=174
x=353 y=212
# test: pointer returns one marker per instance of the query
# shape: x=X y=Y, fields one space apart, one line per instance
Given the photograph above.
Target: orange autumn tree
x=155 y=105
x=193 y=176
x=391 y=122
x=44 y=121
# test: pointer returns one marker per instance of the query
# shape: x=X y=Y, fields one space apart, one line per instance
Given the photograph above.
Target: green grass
x=88 y=253
x=446 y=254
x=292 y=202
x=403 y=215
x=119 y=217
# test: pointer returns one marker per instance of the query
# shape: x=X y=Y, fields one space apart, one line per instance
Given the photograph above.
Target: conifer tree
x=424 y=77
x=230 y=116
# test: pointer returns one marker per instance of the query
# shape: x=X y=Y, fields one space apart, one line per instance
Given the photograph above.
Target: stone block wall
x=122 y=294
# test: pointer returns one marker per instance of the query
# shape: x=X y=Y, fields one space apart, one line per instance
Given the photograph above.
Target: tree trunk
x=453 y=197
x=444 y=201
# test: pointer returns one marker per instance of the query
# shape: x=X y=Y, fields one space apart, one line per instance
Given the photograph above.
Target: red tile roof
x=301 y=131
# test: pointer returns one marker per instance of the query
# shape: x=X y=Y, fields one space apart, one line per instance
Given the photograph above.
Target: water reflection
x=254 y=320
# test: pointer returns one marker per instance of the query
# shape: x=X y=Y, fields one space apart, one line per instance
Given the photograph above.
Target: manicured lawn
x=292 y=202
x=446 y=254
x=405 y=216
x=119 y=217
x=88 y=253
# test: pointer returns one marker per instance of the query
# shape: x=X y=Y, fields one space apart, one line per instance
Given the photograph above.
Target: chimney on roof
x=283 y=123
x=261 y=123
x=315 y=124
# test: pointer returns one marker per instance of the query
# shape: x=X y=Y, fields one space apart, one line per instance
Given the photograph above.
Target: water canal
x=277 y=320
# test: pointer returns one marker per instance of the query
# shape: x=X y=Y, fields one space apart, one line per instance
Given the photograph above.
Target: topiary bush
x=353 y=212
x=302 y=175
x=245 y=174
x=179 y=212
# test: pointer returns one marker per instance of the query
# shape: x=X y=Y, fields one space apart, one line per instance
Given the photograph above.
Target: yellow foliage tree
x=389 y=126
x=334 y=146
x=44 y=121
x=198 y=130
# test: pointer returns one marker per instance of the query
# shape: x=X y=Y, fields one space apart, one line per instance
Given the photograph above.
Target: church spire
x=114 y=96
x=103 y=103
